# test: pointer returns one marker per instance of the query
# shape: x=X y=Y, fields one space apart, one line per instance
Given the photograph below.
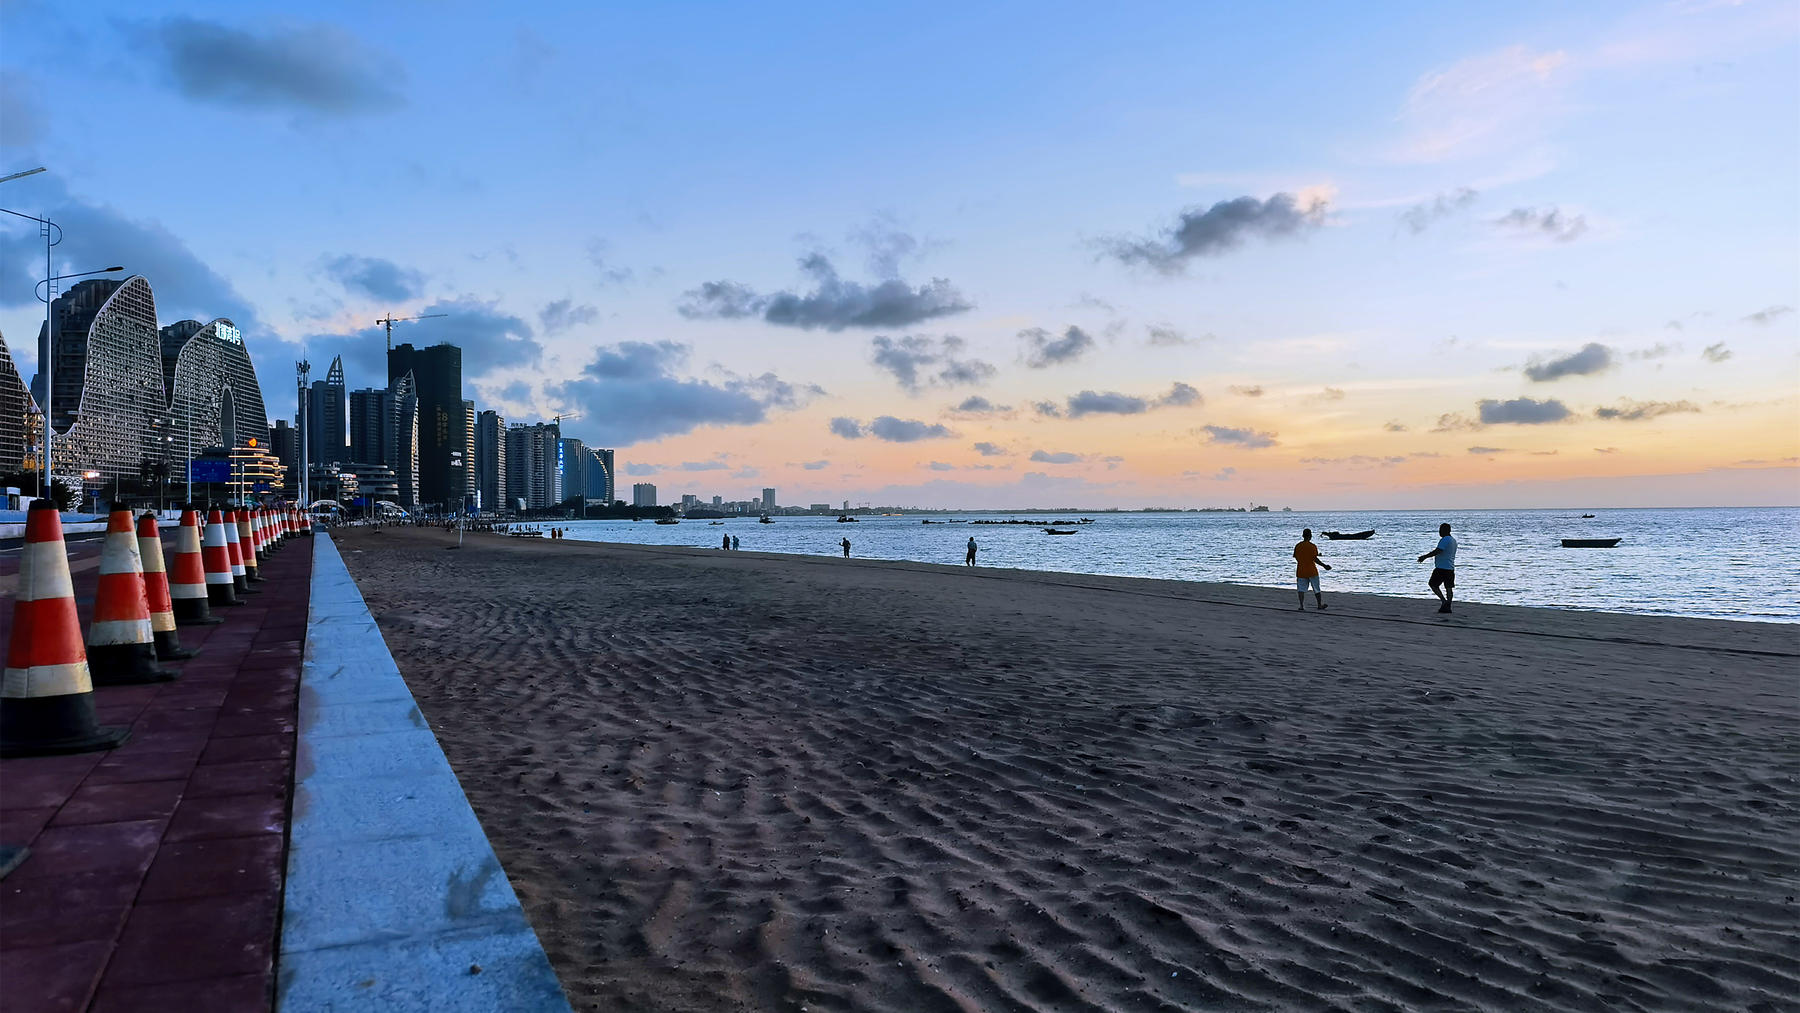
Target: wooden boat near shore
x=667 y=520
x=1590 y=543
x=1058 y=531
x=1354 y=536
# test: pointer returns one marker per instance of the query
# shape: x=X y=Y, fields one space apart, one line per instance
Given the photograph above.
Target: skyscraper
x=490 y=459
x=326 y=417
x=16 y=443
x=437 y=378
x=471 y=481
x=107 y=377
x=403 y=453
x=573 y=462
x=372 y=421
x=768 y=500
x=600 y=481
x=643 y=494
x=533 y=472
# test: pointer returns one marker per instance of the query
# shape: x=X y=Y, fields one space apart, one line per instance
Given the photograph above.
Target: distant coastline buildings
x=136 y=405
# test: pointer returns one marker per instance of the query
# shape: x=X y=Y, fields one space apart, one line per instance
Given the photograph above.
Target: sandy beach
x=726 y=781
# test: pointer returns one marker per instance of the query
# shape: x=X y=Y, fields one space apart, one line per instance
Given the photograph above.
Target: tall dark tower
x=326 y=419
x=443 y=440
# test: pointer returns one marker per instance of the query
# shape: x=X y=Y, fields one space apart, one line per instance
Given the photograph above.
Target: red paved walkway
x=155 y=875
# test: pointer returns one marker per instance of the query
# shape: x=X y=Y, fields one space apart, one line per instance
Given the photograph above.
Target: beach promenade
x=736 y=781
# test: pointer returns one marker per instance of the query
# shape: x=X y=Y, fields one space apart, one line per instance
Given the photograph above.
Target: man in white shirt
x=1443 y=578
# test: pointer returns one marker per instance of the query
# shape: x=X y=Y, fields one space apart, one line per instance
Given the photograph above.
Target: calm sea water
x=1716 y=563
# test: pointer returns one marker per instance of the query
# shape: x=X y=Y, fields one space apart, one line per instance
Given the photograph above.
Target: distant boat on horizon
x=1354 y=536
x=1590 y=543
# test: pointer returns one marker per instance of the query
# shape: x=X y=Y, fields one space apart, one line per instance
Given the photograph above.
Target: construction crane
x=390 y=320
x=557 y=418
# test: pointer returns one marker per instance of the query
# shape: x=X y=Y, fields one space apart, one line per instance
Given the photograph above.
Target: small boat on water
x=714 y=524
x=1354 y=536
x=1058 y=531
x=1587 y=517
x=764 y=519
x=667 y=520
x=846 y=519
x=1590 y=543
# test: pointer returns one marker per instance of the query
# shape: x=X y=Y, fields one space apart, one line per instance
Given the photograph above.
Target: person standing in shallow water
x=846 y=548
x=726 y=542
x=969 y=560
x=1443 y=577
x=1306 y=569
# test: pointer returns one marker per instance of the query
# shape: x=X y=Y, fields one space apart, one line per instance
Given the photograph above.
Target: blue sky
x=1391 y=215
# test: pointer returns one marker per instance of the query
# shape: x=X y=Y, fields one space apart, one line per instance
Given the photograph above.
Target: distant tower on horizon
x=437 y=379
x=326 y=413
x=768 y=500
x=643 y=494
x=490 y=459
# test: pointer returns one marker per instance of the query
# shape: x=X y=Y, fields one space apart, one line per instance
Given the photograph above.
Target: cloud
x=1643 y=411
x=631 y=391
x=916 y=361
x=1592 y=358
x=833 y=304
x=1249 y=439
x=975 y=406
x=815 y=465
x=1655 y=351
x=1768 y=314
x=990 y=450
x=1716 y=352
x=1048 y=409
x=1420 y=217
x=1549 y=224
x=375 y=277
x=1330 y=394
x=599 y=254
x=640 y=470
x=1606 y=450
x=1219 y=229
x=1395 y=427
x=1042 y=350
x=940 y=466
x=1493 y=103
x=1163 y=335
x=893 y=430
x=1357 y=461
x=1489 y=450
x=564 y=314
x=1224 y=474
x=315 y=68
x=1054 y=457
x=1180 y=395
x=1105 y=403
x=1254 y=391
x=848 y=428
x=1455 y=422
x=716 y=464
x=1522 y=411
x=887 y=246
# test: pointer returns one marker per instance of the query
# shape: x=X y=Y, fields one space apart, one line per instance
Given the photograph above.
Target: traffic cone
x=156 y=592
x=265 y=519
x=187 y=578
x=47 y=696
x=306 y=523
x=247 y=546
x=240 y=574
x=221 y=585
x=121 y=644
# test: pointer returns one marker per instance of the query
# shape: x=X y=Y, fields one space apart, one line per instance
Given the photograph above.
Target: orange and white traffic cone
x=247 y=545
x=187 y=577
x=306 y=523
x=121 y=644
x=240 y=579
x=221 y=583
x=47 y=696
x=156 y=592
x=265 y=523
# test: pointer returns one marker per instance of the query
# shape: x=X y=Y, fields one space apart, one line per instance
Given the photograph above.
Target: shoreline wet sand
x=745 y=781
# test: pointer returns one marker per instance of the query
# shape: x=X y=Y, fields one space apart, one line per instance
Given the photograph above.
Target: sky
x=1323 y=256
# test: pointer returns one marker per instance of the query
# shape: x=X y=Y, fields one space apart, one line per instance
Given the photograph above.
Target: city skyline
x=1514 y=257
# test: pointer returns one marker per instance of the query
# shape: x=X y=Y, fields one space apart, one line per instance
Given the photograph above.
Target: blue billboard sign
x=207 y=470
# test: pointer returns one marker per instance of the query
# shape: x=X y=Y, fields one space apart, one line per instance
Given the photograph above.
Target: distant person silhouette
x=734 y=543
x=846 y=548
x=969 y=560
x=1443 y=578
x=725 y=543
x=1306 y=570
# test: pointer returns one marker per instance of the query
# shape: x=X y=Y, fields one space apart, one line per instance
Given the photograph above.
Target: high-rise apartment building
x=534 y=475
x=573 y=461
x=326 y=417
x=443 y=440
x=600 y=480
x=471 y=481
x=372 y=421
x=17 y=442
x=403 y=453
x=768 y=500
x=643 y=494
x=107 y=382
x=490 y=460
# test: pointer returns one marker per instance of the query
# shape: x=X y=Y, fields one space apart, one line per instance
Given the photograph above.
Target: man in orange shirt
x=1306 y=555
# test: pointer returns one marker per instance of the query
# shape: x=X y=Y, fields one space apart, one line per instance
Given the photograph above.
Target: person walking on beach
x=734 y=543
x=1306 y=569
x=846 y=548
x=726 y=543
x=1443 y=577
x=969 y=560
